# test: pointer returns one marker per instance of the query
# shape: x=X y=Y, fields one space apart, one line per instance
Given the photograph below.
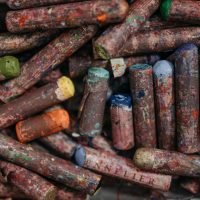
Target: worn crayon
x=163 y=73
x=159 y=40
x=35 y=101
x=187 y=98
x=13 y=43
x=31 y=184
x=67 y=15
x=46 y=60
x=167 y=162
x=100 y=142
x=181 y=10
x=114 y=37
x=42 y=125
x=21 y=4
x=93 y=102
x=141 y=85
x=9 y=67
x=115 y=166
x=48 y=165
x=192 y=185
x=60 y=143
x=122 y=122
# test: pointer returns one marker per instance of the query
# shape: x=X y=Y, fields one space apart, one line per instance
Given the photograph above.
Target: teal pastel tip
x=96 y=74
x=139 y=67
x=165 y=9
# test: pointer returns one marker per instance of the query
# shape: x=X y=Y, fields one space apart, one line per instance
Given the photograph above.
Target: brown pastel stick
x=93 y=102
x=67 y=15
x=159 y=40
x=115 y=166
x=78 y=65
x=36 y=101
x=141 y=85
x=112 y=40
x=12 y=43
x=191 y=185
x=163 y=72
x=122 y=122
x=31 y=184
x=42 y=125
x=181 y=10
x=187 y=98
x=46 y=60
x=167 y=162
x=19 y=4
x=60 y=143
x=49 y=166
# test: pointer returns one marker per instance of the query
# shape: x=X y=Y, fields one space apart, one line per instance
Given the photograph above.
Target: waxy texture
x=93 y=102
x=42 y=125
x=67 y=15
x=109 y=43
x=167 y=162
x=115 y=166
x=35 y=101
x=141 y=85
x=187 y=98
x=48 y=165
x=46 y=60
x=163 y=72
x=31 y=184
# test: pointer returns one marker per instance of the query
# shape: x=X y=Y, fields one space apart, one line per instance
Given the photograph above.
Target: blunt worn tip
x=96 y=73
x=186 y=47
x=163 y=68
x=9 y=66
x=139 y=67
x=121 y=100
x=66 y=88
x=80 y=156
x=50 y=194
x=144 y=158
x=165 y=9
x=101 y=52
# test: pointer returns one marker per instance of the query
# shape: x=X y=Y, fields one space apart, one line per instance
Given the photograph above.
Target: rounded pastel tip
x=80 y=156
x=9 y=66
x=144 y=158
x=165 y=9
x=121 y=100
x=139 y=67
x=97 y=73
x=163 y=68
x=66 y=86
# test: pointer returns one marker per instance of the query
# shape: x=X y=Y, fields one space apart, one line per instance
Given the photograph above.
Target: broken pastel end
x=165 y=9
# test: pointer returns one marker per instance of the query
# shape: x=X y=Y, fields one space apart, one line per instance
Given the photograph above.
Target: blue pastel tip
x=80 y=156
x=121 y=100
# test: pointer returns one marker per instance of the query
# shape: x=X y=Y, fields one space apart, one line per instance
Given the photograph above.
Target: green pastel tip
x=9 y=66
x=165 y=9
x=96 y=73
x=140 y=67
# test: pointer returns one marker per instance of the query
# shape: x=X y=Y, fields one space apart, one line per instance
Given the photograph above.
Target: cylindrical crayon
x=101 y=143
x=191 y=185
x=167 y=162
x=49 y=166
x=181 y=10
x=42 y=125
x=12 y=43
x=93 y=102
x=159 y=40
x=36 y=101
x=46 y=60
x=31 y=184
x=122 y=122
x=163 y=72
x=9 y=67
x=109 y=43
x=141 y=85
x=60 y=143
x=20 y=4
x=78 y=65
x=187 y=98
x=67 y=15
x=115 y=166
